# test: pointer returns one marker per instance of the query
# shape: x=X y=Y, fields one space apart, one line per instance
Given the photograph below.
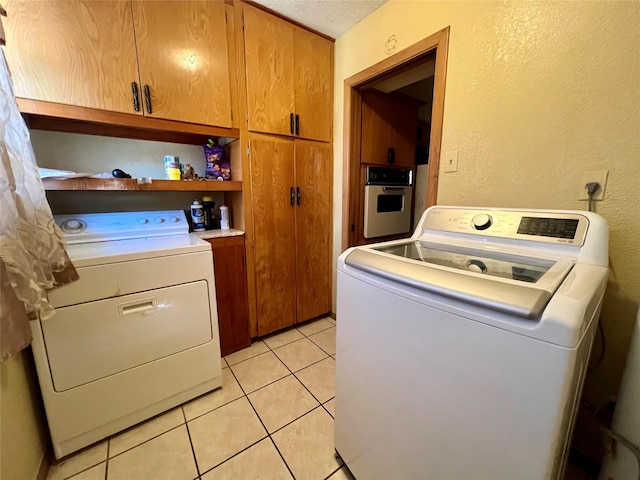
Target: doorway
x=403 y=75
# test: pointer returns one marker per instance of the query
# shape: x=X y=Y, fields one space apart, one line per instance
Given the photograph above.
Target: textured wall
x=22 y=431
x=536 y=93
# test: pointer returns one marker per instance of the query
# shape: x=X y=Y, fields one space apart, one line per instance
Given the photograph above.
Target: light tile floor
x=272 y=419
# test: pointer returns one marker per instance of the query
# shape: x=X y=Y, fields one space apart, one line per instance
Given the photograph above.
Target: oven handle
x=137 y=306
x=393 y=188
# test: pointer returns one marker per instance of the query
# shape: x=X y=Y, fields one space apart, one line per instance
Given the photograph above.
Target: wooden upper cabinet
x=268 y=43
x=388 y=122
x=72 y=52
x=183 y=57
x=313 y=85
x=289 y=74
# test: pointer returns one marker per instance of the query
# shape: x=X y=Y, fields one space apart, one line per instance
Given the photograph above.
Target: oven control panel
x=549 y=227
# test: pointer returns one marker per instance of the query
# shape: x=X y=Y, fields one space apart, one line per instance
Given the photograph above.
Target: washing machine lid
x=512 y=284
x=113 y=251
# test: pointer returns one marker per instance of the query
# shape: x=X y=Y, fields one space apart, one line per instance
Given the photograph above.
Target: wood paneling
x=182 y=53
x=388 y=122
x=231 y=293
x=272 y=170
x=313 y=229
x=313 y=85
x=268 y=43
x=73 y=52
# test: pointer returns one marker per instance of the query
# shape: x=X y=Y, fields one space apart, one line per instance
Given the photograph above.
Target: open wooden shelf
x=131 y=184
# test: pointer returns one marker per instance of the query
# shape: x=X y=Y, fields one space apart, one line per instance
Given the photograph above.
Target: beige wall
x=536 y=93
x=23 y=436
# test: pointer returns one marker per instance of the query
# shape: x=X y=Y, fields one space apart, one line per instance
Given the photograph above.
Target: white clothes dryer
x=462 y=351
x=136 y=335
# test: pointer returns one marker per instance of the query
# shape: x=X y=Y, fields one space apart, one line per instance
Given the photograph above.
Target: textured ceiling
x=331 y=17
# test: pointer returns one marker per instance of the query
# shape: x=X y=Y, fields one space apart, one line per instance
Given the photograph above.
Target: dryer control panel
x=548 y=227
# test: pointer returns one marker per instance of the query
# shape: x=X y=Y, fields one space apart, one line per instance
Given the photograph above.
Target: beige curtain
x=33 y=258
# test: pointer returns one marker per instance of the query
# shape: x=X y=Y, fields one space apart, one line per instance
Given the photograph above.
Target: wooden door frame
x=439 y=43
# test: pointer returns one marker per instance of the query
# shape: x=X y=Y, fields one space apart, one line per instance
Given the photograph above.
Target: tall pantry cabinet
x=289 y=91
x=291 y=195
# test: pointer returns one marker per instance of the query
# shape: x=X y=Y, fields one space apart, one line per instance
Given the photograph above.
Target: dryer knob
x=159 y=220
x=143 y=221
x=482 y=221
x=174 y=220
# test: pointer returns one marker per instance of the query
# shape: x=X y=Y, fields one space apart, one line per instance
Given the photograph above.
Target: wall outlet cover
x=599 y=176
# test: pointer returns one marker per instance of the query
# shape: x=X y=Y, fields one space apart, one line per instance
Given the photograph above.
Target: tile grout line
x=193 y=450
x=145 y=441
x=106 y=466
x=259 y=419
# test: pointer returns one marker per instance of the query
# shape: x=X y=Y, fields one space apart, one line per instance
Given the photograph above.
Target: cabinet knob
x=292 y=196
x=297 y=124
x=291 y=123
x=298 y=196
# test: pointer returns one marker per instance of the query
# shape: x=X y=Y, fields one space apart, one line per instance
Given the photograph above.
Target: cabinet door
x=313 y=229
x=182 y=51
x=388 y=122
x=268 y=43
x=313 y=84
x=271 y=162
x=231 y=293
x=72 y=52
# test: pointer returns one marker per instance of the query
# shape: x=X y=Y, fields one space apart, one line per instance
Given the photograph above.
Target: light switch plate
x=599 y=176
x=451 y=161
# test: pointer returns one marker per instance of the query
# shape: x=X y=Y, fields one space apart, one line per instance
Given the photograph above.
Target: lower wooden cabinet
x=231 y=293
x=291 y=198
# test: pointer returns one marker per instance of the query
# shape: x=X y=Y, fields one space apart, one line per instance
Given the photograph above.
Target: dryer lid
x=511 y=284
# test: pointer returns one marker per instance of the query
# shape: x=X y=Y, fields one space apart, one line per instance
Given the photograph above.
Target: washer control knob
x=174 y=219
x=143 y=221
x=73 y=226
x=482 y=221
x=476 y=266
x=159 y=220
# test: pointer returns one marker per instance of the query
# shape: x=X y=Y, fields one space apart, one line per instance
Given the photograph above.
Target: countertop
x=232 y=232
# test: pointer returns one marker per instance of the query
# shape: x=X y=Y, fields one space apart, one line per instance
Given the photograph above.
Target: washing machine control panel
x=558 y=228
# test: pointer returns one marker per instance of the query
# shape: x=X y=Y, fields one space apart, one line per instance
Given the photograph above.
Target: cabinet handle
x=292 y=195
x=391 y=155
x=136 y=101
x=298 y=196
x=297 y=124
x=147 y=98
x=291 y=123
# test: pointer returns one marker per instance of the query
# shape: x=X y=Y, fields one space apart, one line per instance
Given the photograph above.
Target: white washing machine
x=462 y=351
x=136 y=335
